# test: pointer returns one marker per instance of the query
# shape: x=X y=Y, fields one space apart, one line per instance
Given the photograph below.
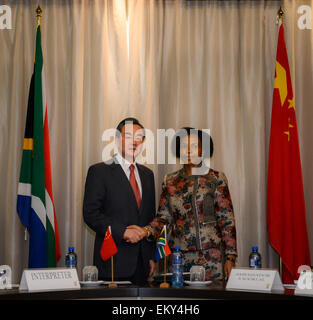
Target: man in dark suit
x=121 y=194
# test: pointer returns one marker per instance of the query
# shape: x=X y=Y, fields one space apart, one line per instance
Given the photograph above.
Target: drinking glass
x=90 y=273
x=197 y=273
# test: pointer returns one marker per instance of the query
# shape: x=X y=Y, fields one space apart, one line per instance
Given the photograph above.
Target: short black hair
x=202 y=136
x=133 y=121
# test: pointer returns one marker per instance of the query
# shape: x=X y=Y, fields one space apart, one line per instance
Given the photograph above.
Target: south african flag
x=35 y=205
x=162 y=248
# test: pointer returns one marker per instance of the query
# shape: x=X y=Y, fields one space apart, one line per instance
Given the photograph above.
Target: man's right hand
x=133 y=234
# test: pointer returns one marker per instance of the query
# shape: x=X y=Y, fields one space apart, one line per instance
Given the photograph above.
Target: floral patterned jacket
x=198 y=212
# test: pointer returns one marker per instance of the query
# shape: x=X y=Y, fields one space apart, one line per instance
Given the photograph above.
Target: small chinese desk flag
x=108 y=248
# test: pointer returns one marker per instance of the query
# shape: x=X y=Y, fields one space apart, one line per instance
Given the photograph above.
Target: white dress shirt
x=125 y=166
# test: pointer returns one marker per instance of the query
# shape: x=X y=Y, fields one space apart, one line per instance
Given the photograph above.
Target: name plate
x=305 y=284
x=49 y=279
x=261 y=280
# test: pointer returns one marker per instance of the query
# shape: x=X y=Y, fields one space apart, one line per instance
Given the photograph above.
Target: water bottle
x=177 y=266
x=71 y=258
x=255 y=258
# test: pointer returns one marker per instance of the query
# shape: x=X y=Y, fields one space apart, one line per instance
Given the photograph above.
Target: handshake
x=134 y=234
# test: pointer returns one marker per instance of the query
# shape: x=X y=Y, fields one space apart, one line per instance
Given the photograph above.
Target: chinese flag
x=108 y=248
x=286 y=221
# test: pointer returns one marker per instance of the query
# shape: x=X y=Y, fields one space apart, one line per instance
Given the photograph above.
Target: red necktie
x=134 y=184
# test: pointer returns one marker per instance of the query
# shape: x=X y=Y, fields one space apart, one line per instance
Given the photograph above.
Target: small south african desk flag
x=162 y=248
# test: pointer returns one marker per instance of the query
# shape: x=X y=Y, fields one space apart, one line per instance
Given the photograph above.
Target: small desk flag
x=162 y=248
x=108 y=248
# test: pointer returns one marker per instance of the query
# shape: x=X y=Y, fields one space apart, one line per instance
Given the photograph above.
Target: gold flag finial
x=38 y=14
x=280 y=14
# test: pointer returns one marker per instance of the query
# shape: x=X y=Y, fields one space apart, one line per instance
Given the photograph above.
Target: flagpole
x=165 y=269
x=112 y=267
x=165 y=284
x=38 y=15
x=280 y=18
x=112 y=284
x=280 y=14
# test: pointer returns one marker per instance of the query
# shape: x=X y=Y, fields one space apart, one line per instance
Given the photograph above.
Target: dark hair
x=133 y=121
x=202 y=136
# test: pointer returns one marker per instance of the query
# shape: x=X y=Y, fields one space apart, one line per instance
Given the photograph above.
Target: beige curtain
x=206 y=64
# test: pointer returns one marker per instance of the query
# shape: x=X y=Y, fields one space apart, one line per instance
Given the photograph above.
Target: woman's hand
x=228 y=266
x=152 y=267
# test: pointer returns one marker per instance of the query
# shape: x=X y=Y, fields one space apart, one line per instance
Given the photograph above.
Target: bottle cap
x=255 y=249
x=71 y=249
x=177 y=248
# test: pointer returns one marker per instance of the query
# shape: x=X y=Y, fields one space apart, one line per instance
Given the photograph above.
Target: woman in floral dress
x=197 y=209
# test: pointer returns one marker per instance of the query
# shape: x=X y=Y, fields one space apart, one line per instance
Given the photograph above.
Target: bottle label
x=71 y=261
x=255 y=262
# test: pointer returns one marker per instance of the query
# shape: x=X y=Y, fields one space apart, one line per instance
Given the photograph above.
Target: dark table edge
x=216 y=294
x=146 y=292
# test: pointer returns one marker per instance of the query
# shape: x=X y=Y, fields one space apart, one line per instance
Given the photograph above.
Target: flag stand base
x=112 y=285
x=164 y=285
